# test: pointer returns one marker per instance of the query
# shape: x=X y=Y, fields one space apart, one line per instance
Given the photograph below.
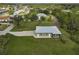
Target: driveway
x=6 y=30
x=22 y=33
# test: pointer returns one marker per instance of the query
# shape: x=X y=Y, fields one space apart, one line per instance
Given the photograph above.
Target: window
x=43 y=34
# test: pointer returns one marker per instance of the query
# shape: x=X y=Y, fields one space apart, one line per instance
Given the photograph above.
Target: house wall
x=45 y=35
x=39 y=18
x=5 y=20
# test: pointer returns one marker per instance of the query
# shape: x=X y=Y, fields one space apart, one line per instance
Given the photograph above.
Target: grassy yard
x=3 y=27
x=30 y=45
x=40 y=5
x=31 y=25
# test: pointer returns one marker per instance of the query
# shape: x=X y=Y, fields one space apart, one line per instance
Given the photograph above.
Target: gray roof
x=47 y=29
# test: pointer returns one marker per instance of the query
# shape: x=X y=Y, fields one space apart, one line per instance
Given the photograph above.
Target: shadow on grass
x=75 y=39
x=63 y=41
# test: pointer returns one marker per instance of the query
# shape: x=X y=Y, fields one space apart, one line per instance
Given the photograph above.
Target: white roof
x=41 y=14
x=3 y=10
x=17 y=12
x=66 y=10
x=47 y=29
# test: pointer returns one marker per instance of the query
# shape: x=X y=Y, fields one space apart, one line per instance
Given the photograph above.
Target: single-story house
x=4 y=19
x=17 y=12
x=66 y=10
x=41 y=15
x=47 y=32
x=3 y=10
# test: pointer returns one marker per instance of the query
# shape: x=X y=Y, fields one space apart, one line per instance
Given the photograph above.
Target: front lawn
x=30 y=45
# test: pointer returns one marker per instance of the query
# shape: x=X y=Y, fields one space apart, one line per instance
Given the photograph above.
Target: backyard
x=26 y=26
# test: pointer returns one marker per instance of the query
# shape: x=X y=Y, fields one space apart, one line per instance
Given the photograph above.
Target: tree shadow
x=63 y=41
x=76 y=50
x=76 y=40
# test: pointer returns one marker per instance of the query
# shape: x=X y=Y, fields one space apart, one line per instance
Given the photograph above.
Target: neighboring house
x=25 y=10
x=43 y=9
x=66 y=10
x=20 y=11
x=5 y=19
x=3 y=10
x=41 y=15
x=47 y=32
x=17 y=12
x=4 y=16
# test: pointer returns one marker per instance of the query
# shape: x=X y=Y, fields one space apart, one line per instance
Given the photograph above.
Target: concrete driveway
x=7 y=30
x=23 y=33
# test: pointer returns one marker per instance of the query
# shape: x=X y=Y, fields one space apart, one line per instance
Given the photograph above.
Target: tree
x=73 y=27
x=43 y=18
x=11 y=10
x=17 y=20
x=33 y=17
x=46 y=11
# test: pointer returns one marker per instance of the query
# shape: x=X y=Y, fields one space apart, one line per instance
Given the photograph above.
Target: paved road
x=6 y=30
x=23 y=33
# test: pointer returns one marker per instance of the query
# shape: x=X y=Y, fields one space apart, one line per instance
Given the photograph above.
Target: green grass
x=3 y=27
x=26 y=26
x=30 y=45
x=40 y=5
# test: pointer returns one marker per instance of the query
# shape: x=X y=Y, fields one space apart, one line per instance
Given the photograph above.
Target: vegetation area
x=68 y=21
x=3 y=27
x=30 y=21
x=3 y=42
x=30 y=45
x=31 y=25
